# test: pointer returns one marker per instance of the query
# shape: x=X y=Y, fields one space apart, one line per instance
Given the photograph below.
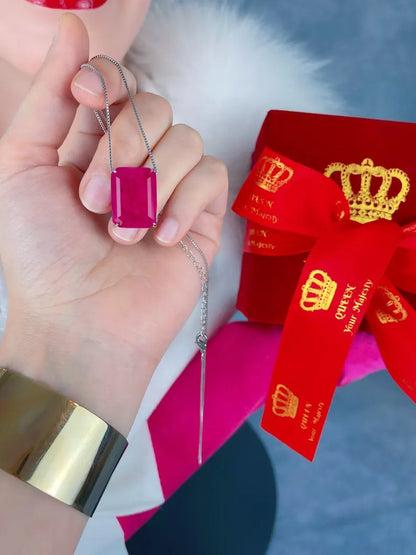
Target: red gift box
x=331 y=203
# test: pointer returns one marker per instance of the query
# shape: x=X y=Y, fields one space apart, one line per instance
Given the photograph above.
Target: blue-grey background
x=370 y=45
x=359 y=496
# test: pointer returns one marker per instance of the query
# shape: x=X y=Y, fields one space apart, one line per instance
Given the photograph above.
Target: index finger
x=87 y=88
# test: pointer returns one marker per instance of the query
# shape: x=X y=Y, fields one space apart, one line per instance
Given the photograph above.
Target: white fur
x=222 y=71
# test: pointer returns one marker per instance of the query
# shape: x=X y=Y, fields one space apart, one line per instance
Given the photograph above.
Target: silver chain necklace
x=104 y=120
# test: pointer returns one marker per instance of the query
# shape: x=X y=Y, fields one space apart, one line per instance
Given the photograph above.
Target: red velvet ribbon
x=351 y=270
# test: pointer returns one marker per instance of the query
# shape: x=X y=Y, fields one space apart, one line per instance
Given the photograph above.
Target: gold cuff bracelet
x=54 y=444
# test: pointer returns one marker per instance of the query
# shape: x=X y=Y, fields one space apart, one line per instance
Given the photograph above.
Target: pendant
x=134 y=197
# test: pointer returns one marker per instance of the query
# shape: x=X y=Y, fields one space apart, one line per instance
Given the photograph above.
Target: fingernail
x=97 y=194
x=88 y=81
x=167 y=230
x=125 y=233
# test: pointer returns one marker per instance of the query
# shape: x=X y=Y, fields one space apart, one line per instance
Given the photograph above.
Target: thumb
x=46 y=114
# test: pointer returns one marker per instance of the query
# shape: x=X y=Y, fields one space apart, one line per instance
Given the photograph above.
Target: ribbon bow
x=351 y=270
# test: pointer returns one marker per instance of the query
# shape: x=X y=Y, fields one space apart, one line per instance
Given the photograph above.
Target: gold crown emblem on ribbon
x=376 y=198
x=285 y=403
x=393 y=310
x=318 y=291
x=272 y=174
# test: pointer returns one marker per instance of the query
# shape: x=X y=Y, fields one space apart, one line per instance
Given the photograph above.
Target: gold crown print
x=318 y=291
x=393 y=311
x=285 y=403
x=381 y=191
x=272 y=174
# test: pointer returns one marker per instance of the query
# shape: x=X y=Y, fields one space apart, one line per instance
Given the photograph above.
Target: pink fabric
x=239 y=366
x=236 y=385
x=130 y=524
x=363 y=358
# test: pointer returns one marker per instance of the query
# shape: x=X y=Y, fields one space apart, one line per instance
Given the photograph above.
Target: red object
x=69 y=4
x=316 y=341
x=133 y=197
x=354 y=238
x=316 y=141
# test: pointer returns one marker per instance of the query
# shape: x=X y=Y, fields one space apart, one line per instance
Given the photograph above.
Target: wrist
x=88 y=371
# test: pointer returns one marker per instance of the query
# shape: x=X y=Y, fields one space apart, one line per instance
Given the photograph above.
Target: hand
x=89 y=312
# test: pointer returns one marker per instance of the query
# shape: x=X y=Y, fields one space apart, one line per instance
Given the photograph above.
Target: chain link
x=202 y=337
x=104 y=120
x=99 y=113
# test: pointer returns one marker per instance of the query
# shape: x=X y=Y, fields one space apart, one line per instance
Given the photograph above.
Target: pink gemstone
x=133 y=197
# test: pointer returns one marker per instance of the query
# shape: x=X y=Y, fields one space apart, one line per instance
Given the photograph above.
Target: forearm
x=30 y=520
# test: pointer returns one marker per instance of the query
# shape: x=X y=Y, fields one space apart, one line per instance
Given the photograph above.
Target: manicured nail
x=97 y=194
x=167 y=230
x=125 y=233
x=88 y=81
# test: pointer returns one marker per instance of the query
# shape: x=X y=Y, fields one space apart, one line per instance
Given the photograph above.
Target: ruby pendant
x=134 y=197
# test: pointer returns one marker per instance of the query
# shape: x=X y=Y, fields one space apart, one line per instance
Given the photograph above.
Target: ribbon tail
x=337 y=283
x=393 y=323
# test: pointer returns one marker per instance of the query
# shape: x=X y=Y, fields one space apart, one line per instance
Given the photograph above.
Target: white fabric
x=102 y=536
x=222 y=71
x=148 y=489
